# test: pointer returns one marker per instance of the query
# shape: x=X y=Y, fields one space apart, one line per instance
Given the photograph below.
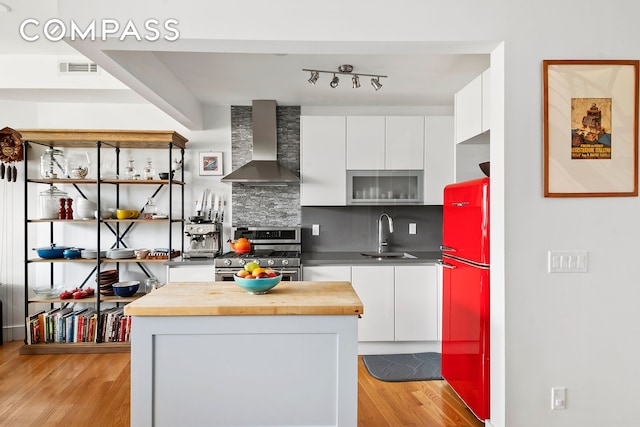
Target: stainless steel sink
x=387 y=255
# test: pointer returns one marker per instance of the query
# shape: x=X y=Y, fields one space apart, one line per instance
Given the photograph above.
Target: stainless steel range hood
x=263 y=169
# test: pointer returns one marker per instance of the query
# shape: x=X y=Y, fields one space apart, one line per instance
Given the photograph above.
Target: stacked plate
x=105 y=281
x=92 y=254
x=121 y=253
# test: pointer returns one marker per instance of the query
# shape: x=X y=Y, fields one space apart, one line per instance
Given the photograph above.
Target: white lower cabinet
x=193 y=273
x=416 y=301
x=401 y=303
x=375 y=288
x=334 y=273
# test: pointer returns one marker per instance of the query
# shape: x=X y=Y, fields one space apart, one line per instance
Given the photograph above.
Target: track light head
x=375 y=82
x=356 y=81
x=314 y=77
x=334 y=81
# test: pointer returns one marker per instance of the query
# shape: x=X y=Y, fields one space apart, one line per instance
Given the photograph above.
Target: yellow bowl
x=127 y=213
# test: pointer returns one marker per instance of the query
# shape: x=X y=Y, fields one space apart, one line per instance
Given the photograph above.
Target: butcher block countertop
x=228 y=299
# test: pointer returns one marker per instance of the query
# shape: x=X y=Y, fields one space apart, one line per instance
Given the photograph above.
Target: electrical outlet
x=558 y=398
x=412 y=228
x=315 y=230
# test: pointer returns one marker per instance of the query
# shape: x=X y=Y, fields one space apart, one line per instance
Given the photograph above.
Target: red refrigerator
x=465 y=293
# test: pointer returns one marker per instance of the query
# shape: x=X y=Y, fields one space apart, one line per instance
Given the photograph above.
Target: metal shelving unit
x=99 y=140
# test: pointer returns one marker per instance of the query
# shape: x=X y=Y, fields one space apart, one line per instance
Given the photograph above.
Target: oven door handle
x=283 y=272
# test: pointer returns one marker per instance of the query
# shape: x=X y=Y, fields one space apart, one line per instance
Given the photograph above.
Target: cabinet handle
x=447 y=248
x=445 y=265
x=459 y=204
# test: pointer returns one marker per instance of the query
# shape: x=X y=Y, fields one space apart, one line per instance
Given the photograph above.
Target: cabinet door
x=468 y=110
x=374 y=286
x=323 y=177
x=404 y=145
x=335 y=273
x=439 y=158
x=365 y=142
x=202 y=273
x=416 y=308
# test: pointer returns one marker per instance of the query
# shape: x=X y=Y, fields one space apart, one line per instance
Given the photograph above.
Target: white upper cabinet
x=323 y=163
x=385 y=143
x=404 y=145
x=471 y=108
x=439 y=158
x=365 y=142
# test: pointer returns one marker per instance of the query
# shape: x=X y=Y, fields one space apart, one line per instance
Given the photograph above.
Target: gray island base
x=210 y=354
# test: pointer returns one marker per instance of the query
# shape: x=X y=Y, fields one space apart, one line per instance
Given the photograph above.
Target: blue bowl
x=126 y=289
x=258 y=286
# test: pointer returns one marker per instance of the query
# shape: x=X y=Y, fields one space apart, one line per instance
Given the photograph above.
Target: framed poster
x=211 y=163
x=590 y=128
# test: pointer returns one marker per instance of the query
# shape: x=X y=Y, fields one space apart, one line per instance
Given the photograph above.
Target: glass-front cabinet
x=385 y=187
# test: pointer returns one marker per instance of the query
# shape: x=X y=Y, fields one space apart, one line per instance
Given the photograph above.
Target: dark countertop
x=355 y=258
x=332 y=258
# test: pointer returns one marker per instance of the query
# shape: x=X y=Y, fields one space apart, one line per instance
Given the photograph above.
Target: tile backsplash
x=354 y=228
x=266 y=205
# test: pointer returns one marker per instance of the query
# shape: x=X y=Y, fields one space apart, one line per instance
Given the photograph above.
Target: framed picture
x=590 y=128
x=211 y=163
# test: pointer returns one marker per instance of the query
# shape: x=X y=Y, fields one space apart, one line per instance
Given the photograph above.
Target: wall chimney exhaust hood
x=263 y=169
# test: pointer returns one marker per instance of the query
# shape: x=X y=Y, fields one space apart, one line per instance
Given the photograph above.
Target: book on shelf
x=48 y=324
x=33 y=328
x=72 y=325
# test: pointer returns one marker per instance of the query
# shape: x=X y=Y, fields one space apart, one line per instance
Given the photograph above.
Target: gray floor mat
x=404 y=367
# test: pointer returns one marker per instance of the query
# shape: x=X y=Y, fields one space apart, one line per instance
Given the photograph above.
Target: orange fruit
x=257 y=271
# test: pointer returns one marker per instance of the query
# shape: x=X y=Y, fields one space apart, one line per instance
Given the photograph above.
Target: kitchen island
x=212 y=354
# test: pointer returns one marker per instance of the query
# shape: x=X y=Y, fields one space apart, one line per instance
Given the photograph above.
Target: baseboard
x=365 y=348
x=13 y=333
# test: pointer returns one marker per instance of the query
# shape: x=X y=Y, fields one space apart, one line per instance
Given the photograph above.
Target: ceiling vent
x=78 y=67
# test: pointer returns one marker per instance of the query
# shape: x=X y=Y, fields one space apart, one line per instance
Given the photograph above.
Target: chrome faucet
x=383 y=245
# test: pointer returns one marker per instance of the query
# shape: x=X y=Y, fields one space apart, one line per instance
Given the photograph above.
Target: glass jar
x=50 y=202
x=130 y=171
x=151 y=284
x=53 y=164
x=150 y=209
x=148 y=172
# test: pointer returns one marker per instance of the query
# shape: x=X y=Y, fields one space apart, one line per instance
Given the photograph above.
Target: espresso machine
x=204 y=240
x=204 y=229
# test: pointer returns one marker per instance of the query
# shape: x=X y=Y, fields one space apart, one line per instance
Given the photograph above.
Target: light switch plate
x=315 y=229
x=412 y=228
x=568 y=261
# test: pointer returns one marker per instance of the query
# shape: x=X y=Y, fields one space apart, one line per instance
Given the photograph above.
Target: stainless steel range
x=276 y=247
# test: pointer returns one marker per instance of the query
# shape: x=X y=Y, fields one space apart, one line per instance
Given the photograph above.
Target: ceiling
x=182 y=80
x=236 y=78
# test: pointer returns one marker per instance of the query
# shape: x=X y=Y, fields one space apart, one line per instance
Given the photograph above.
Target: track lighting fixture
x=334 y=81
x=348 y=70
x=375 y=82
x=314 y=77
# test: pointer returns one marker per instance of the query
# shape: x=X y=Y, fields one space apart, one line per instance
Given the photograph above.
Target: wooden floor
x=93 y=390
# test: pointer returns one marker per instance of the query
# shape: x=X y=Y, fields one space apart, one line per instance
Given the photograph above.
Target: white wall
x=562 y=329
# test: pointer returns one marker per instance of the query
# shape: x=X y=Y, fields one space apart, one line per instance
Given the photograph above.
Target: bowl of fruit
x=257 y=280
